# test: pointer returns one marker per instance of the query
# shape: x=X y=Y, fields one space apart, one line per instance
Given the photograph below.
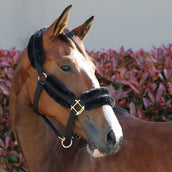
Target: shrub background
x=140 y=82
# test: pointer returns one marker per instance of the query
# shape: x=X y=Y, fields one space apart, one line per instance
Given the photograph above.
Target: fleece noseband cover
x=58 y=91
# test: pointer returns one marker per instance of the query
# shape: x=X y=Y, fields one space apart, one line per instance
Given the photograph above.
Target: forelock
x=73 y=40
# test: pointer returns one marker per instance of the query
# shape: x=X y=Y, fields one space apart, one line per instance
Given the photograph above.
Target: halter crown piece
x=60 y=93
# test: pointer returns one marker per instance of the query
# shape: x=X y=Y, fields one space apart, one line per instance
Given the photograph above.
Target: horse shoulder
x=143 y=140
x=19 y=79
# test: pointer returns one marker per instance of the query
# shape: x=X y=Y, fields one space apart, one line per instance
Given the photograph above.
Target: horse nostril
x=110 y=139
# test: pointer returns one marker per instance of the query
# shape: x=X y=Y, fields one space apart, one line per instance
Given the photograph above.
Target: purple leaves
x=11 y=158
x=140 y=81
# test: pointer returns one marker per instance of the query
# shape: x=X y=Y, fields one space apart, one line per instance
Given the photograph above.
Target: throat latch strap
x=68 y=136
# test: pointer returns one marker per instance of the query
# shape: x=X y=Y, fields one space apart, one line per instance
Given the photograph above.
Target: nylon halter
x=60 y=93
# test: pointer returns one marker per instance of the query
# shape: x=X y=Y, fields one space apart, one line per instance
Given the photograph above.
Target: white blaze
x=113 y=121
x=86 y=65
x=107 y=110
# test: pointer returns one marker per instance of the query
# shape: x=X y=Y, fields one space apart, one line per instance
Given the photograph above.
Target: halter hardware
x=42 y=77
x=77 y=107
x=66 y=146
x=60 y=93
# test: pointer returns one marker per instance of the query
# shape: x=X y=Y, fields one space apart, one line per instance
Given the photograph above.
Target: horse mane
x=120 y=111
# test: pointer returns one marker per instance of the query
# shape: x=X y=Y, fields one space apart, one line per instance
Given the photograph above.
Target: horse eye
x=66 y=68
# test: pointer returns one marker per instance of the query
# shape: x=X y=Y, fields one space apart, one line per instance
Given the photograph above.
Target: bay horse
x=55 y=77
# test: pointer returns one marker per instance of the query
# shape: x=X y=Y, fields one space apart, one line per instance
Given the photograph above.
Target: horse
x=55 y=90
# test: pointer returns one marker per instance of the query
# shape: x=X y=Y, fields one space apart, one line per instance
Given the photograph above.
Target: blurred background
x=140 y=81
x=130 y=23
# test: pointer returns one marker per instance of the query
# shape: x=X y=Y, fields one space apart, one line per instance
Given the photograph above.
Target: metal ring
x=44 y=75
x=66 y=146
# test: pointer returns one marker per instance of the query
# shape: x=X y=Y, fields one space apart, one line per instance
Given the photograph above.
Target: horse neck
x=36 y=139
x=41 y=148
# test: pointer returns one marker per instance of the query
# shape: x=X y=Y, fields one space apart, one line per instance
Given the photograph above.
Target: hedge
x=11 y=158
x=140 y=81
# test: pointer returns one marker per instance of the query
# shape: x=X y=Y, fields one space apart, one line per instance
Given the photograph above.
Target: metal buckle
x=42 y=77
x=77 y=107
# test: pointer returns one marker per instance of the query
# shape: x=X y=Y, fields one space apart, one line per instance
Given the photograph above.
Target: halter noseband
x=60 y=93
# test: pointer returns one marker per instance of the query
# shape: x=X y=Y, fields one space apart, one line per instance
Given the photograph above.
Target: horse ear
x=59 y=24
x=82 y=30
x=62 y=21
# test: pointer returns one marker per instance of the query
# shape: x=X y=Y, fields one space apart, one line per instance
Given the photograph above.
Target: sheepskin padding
x=97 y=97
x=91 y=99
x=59 y=92
x=35 y=49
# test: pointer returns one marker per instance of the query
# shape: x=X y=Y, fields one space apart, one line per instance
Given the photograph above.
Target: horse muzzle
x=102 y=143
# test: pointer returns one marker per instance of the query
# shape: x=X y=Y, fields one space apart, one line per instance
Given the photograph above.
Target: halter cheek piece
x=60 y=93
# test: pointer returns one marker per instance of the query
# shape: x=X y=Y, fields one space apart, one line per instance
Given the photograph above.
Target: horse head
x=67 y=60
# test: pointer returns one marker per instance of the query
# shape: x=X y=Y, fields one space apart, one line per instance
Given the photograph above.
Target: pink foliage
x=140 y=81
x=11 y=158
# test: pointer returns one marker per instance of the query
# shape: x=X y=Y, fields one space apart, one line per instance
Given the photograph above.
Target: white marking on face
x=86 y=66
x=112 y=121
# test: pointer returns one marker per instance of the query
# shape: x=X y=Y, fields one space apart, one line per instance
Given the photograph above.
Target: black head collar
x=60 y=93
